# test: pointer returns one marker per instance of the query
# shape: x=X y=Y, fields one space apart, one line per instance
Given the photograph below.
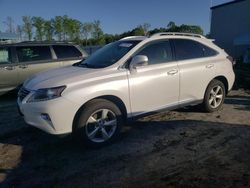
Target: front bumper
x=53 y=116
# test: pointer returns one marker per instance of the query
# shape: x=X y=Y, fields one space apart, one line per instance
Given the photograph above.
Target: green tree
x=65 y=27
x=138 y=31
x=86 y=31
x=97 y=33
x=75 y=29
x=48 y=30
x=109 y=38
x=171 y=27
x=191 y=29
x=57 y=24
x=27 y=26
x=38 y=23
x=157 y=30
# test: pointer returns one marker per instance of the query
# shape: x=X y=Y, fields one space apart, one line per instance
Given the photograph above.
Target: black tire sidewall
x=79 y=128
x=206 y=104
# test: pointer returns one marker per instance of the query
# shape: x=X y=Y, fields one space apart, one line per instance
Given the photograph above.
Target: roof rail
x=133 y=37
x=177 y=34
x=45 y=42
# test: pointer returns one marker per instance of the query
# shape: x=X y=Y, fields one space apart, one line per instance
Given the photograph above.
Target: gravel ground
x=183 y=148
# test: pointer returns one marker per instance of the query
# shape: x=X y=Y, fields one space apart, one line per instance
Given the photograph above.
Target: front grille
x=23 y=93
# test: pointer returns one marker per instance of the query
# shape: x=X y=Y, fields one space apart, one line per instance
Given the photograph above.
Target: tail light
x=231 y=59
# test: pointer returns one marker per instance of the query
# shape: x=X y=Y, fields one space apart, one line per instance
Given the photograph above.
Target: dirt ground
x=183 y=148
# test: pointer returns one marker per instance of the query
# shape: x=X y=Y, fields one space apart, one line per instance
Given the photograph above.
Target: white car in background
x=129 y=78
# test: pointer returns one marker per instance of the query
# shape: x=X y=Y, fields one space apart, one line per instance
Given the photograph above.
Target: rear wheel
x=98 y=123
x=214 y=96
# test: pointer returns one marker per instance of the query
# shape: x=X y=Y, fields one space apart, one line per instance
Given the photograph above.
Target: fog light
x=45 y=117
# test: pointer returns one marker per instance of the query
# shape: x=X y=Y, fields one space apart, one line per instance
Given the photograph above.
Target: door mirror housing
x=138 y=61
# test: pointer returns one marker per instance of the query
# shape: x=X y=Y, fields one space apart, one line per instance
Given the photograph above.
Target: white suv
x=125 y=79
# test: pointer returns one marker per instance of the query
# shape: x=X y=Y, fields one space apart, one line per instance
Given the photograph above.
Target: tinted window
x=4 y=55
x=208 y=52
x=33 y=53
x=66 y=51
x=157 y=52
x=187 y=49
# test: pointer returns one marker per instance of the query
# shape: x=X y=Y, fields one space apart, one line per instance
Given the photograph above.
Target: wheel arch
x=221 y=78
x=224 y=80
x=116 y=100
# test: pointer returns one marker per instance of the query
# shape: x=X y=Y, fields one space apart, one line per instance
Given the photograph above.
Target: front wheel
x=214 y=96
x=99 y=123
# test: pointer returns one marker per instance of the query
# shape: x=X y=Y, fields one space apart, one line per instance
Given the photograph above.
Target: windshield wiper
x=80 y=64
x=76 y=64
x=86 y=65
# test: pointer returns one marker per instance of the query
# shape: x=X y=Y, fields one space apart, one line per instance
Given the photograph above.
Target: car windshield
x=109 y=54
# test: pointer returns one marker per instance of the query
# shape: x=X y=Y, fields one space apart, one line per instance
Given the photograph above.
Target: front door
x=156 y=85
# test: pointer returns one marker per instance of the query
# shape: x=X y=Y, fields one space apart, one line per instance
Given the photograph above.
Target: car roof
x=37 y=43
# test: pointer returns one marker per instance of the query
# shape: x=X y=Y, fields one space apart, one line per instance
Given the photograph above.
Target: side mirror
x=138 y=61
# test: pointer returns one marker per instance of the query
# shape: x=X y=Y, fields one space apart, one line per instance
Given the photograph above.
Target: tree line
x=64 y=28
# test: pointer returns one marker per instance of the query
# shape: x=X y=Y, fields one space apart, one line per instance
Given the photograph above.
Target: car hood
x=58 y=77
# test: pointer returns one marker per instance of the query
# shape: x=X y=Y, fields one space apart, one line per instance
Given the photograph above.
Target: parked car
x=126 y=79
x=19 y=61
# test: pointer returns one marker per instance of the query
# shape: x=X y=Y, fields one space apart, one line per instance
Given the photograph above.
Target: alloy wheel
x=216 y=96
x=101 y=125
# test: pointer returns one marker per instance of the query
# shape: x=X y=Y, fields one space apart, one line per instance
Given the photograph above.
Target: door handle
x=209 y=66
x=23 y=66
x=173 y=72
x=9 y=68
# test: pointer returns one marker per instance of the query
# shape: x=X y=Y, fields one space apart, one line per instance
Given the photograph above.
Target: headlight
x=46 y=94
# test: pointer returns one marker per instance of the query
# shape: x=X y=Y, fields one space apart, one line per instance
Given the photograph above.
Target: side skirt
x=169 y=108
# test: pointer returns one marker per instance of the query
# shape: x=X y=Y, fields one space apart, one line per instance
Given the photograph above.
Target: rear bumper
x=231 y=80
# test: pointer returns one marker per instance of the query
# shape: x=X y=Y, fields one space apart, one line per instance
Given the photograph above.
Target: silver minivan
x=21 y=60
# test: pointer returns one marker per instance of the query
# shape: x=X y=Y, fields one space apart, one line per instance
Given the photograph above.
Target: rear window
x=4 y=55
x=66 y=51
x=33 y=53
x=189 y=49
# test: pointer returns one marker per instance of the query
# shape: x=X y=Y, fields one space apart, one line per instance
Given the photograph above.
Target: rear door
x=197 y=68
x=8 y=70
x=68 y=54
x=34 y=59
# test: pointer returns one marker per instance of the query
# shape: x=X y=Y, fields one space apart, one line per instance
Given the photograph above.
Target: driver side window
x=157 y=52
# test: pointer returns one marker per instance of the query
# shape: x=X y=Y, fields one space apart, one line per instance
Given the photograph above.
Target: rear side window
x=208 y=52
x=4 y=55
x=33 y=53
x=66 y=51
x=157 y=52
x=187 y=49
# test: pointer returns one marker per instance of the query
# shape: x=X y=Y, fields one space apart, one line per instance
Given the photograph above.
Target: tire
x=98 y=123
x=214 y=96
